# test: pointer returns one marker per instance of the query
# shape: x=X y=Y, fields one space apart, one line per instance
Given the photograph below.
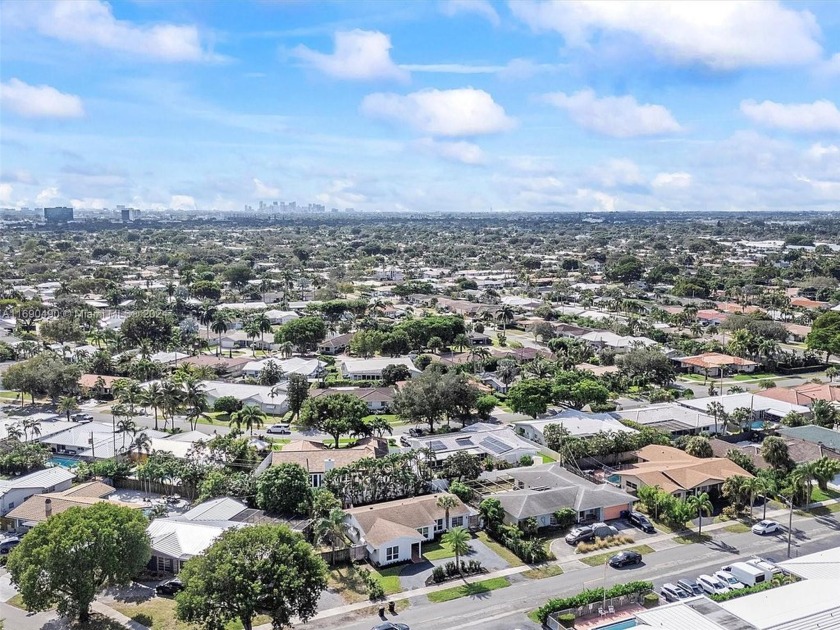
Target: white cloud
x=616 y=116
x=359 y=55
x=826 y=188
x=47 y=196
x=479 y=7
x=464 y=152
x=601 y=200
x=92 y=23
x=821 y=115
x=818 y=151
x=451 y=68
x=830 y=67
x=460 y=112
x=617 y=173
x=672 y=180
x=265 y=191
x=89 y=203
x=182 y=202
x=6 y=193
x=512 y=70
x=18 y=177
x=721 y=35
x=39 y=101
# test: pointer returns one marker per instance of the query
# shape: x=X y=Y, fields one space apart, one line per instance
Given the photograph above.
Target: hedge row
x=591 y=596
x=749 y=590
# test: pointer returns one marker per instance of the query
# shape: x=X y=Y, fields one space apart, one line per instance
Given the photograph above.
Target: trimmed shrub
x=567 y=620
x=650 y=600
x=438 y=574
x=591 y=596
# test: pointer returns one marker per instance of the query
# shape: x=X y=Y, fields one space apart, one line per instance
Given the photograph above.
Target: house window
x=316 y=481
x=457 y=521
x=423 y=531
x=11 y=505
x=392 y=554
x=630 y=485
x=439 y=525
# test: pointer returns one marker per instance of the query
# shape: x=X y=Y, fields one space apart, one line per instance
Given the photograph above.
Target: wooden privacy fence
x=353 y=553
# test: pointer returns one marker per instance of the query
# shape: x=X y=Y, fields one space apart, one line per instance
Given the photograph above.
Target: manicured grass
x=547 y=571
x=277 y=444
x=158 y=613
x=737 y=528
x=468 y=590
x=437 y=550
x=823 y=510
x=503 y=552
x=17 y=602
x=689 y=539
x=823 y=495
x=11 y=395
x=389 y=578
x=601 y=558
x=547 y=459
x=755 y=376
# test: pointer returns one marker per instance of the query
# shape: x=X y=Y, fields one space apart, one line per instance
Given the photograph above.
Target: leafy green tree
x=530 y=397
x=226 y=404
x=238 y=275
x=61 y=331
x=462 y=466
x=297 y=392
x=647 y=365
x=69 y=558
x=251 y=570
x=699 y=446
x=335 y=414
x=153 y=327
x=392 y=374
x=323 y=502
x=271 y=374
x=825 y=334
x=304 y=332
x=492 y=512
x=626 y=269
x=462 y=491
x=485 y=405
x=284 y=489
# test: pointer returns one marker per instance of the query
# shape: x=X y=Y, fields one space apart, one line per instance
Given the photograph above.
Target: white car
x=712 y=585
x=730 y=580
x=281 y=429
x=766 y=527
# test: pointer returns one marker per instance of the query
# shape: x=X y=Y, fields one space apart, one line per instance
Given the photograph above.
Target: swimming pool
x=619 y=625
x=64 y=461
x=614 y=479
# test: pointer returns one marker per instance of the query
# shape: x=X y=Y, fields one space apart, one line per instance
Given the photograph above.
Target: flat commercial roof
x=791 y=607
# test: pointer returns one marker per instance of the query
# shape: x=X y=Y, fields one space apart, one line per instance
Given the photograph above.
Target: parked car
x=391 y=625
x=281 y=429
x=404 y=441
x=625 y=558
x=170 y=587
x=413 y=432
x=690 y=586
x=750 y=573
x=674 y=593
x=637 y=519
x=712 y=585
x=7 y=544
x=766 y=527
x=730 y=580
x=580 y=534
x=766 y=563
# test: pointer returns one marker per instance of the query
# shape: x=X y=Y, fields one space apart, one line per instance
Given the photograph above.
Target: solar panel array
x=497 y=446
x=437 y=445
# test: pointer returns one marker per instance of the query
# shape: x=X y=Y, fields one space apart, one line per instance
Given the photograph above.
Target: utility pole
x=790 y=524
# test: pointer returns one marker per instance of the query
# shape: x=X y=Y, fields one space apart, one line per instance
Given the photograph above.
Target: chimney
x=47 y=507
x=329 y=464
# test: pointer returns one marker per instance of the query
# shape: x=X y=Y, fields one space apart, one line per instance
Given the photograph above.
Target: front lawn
x=277 y=444
x=823 y=495
x=737 y=528
x=389 y=578
x=503 y=552
x=693 y=537
x=754 y=376
x=546 y=571
x=601 y=558
x=547 y=459
x=437 y=550
x=468 y=590
x=158 y=613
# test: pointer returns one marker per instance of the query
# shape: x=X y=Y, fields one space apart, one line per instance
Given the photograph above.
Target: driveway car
x=391 y=625
x=712 y=585
x=580 y=534
x=674 y=593
x=7 y=544
x=730 y=580
x=281 y=429
x=690 y=586
x=625 y=558
x=637 y=519
x=170 y=587
x=766 y=527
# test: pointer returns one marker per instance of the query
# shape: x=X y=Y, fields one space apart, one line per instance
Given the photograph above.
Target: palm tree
x=700 y=503
x=14 y=432
x=153 y=397
x=505 y=315
x=125 y=426
x=458 y=540
x=263 y=324
x=97 y=336
x=67 y=404
x=831 y=373
x=252 y=330
x=755 y=486
x=824 y=470
x=206 y=314
x=825 y=414
x=332 y=529
x=446 y=502
x=715 y=409
x=172 y=395
x=142 y=443
x=478 y=352
x=219 y=325
x=801 y=480
x=249 y=416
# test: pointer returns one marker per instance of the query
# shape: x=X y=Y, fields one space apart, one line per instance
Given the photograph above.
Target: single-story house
x=671 y=418
x=168 y=358
x=40 y=507
x=600 y=339
x=805 y=394
x=395 y=531
x=378 y=399
x=677 y=472
x=543 y=490
x=479 y=339
x=763 y=408
x=712 y=363
x=479 y=439
x=13 y=492
x=312 y=369
x=87 y=382
x=800 y=451
x=797 y=332
x=578 y=423
x=318 y=459
x=278 y=317
x=711 y=317
x=230 y=367
x=259 y=395
x=335 y=345
x=239 y=339
x=371 y=369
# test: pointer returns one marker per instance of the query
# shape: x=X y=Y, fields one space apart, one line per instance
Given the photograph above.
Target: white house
x=371 y=369
x=395 y=531
x=578 y=423
x=310 y=368
x=762 y=408
x=672 y=418
x=14 y=492
x=259 y=395
x=278 y=317
x=479 y=439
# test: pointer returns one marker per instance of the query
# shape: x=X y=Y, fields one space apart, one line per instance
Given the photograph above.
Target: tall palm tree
x=14 y=432
x=755 y=486
x=252 y=330
x=332 y=529
x=206 y=314
x=446 y=502
x=97 y=336
x=249 y=416
x=153 y=397
x=700 y=503
x=478 y=352
x=715 y=409
x=505 y=315
x=802 y=479
x=825 y=414
x=458 y=540
x=125 y=426
x=219 y=325
x=172 y=396
x=142 y=443
x=67 y=404
x=263 y=324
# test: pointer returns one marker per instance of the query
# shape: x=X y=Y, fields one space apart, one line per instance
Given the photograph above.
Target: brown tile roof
x=225 y=363
x=731 y=307
x=673 y=469
x=803 y=302
x=382 y=522
x=803 y=394
x=34 y=508
x=798 y=329
x=89 y=380
x=714 y=360
x=800 y=451
x=311 y=456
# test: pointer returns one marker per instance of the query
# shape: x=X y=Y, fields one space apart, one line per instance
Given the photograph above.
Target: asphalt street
x=506 y=609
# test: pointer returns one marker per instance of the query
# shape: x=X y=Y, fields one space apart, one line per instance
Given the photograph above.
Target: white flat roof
x=791 y=607
x=821 y=565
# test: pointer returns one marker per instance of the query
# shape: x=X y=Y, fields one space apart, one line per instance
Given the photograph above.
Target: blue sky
x=449 y=105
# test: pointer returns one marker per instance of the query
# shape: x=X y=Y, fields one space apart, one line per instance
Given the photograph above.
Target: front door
x=415 y=552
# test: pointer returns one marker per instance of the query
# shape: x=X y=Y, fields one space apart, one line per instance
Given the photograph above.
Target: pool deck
x=598 y=621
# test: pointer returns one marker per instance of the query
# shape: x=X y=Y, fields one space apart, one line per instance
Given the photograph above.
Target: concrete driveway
x=414 y=575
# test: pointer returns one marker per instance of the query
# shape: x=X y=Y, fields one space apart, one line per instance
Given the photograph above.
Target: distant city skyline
x=451 y=105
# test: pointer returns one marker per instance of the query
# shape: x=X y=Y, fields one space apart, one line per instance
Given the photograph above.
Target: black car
x=8 y=544
x=416 y=432
x=625 y=558
x=637 y=519
x=580 y=534
x=170 y=587
x=391 y=625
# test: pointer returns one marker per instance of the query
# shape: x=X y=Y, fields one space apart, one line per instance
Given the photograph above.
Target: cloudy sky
x=433 y=105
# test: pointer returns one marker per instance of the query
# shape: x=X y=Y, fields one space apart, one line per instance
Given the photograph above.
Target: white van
x=748 y=573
